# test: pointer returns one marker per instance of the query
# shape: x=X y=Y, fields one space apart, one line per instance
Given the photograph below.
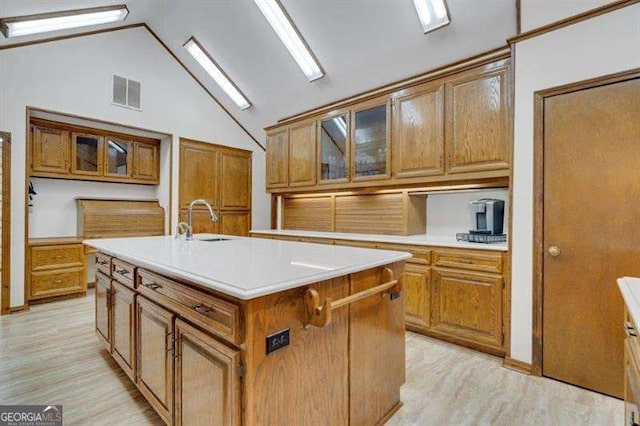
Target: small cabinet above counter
x=451 y=127
x=64 y=151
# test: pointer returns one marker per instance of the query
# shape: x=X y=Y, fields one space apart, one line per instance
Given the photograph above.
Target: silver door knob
x=554 y=251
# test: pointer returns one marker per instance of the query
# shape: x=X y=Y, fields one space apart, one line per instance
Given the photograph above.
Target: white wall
x=74 y=76
x=603 y=45
x=449 y=213
x=537 y=13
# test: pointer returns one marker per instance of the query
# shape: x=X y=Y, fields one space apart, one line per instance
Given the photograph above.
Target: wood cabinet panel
x=155 y=356
x=118 y=158
x=277 y=159
x=368 y=214
x=87 y=154
x=371 y=140
x=418 y=132
x=416 y=283
x=103 y=309
x=376 y=329
x=123 y=272
x=467 y=305
x=146 y=161
x=235 y=180
x=57 y=282
x=235 y=223
x=311 y=214
x=56 y=257
x=198 y=174
x=478 y=129
x=207 y=379
x=123 y=327
x=302 y=155
x=469 y=259
x=50 y=150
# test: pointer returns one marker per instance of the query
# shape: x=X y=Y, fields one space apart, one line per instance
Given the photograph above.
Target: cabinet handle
x=201 y=309
x=102 y=262
x=122 y=272
x=58 y=281
x=152 y=286
x=630 y=330
x=58 y=256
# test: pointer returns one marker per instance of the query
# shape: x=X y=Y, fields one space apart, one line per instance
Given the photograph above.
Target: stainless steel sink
x=214 y=239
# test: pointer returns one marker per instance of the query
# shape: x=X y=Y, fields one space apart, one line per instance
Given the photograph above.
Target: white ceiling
x=361 y=44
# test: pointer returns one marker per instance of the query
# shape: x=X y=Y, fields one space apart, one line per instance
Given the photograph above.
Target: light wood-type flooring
x=50 y=355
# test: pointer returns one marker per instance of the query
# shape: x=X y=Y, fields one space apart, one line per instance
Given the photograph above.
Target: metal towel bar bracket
x=319 y=315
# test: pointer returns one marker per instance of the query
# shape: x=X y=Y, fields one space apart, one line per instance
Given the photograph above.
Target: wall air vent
x=126 y=92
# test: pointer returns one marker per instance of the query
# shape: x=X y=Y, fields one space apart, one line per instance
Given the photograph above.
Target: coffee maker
x=487 y=216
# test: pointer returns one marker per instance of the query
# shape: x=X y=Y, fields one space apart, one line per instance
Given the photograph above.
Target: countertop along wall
x=595 y=47
x=74 y=76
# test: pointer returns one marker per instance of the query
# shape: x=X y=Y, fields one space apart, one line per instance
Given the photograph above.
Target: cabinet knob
x=554 y=251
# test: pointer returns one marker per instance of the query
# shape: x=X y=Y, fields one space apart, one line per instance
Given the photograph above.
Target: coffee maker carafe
x=487 y=216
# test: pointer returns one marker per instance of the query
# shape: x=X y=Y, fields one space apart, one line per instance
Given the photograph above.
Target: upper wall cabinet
x=450 y=128
x=63 y=151
x=479 y=117
x=50 y=150
x=302 y=154
x=333 y=149
x=418 y=132
x=198 y=173
x=371 y=136
x=235 y=180
x=278 y=158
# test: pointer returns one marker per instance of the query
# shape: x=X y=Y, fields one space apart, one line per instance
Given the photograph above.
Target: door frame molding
x=6 y=224
x=538 y=196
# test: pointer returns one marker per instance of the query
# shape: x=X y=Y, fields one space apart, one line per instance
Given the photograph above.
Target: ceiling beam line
x=159 y=40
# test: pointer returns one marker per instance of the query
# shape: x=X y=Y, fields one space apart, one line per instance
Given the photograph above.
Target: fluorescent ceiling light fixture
x=341 y=124
x=432 y=13
x=210 y=66
x=291 y=37
x=46 y=22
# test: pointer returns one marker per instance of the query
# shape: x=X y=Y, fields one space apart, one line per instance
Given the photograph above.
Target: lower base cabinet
x=155 y=356
x=416 y=282
x=103 y=309
x=207 y=386
x=467 y=305
x=123 y=347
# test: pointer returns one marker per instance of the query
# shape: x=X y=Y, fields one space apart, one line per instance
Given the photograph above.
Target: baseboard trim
x=14 y=309
x=519 y=366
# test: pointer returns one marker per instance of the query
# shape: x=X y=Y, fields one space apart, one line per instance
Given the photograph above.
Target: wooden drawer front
x=222 y=318
x=349 y=243
x=421 y=255
x=123 y=272
x=472 y=260
x=56 y=257
x=103 y=263
x=632 y=370
x=53 y=283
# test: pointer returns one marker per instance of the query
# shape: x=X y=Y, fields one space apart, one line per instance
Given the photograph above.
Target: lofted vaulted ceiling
x=361 y=44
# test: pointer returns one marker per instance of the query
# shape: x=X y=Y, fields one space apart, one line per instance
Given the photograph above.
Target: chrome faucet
x=214 y=217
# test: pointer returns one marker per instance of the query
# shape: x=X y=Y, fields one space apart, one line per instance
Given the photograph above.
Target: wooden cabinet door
x=207 y=379
x=86 y=154
x=416 y=283
x=467 y=305
x=118 y=154
x=123 y=322
x=198 y=173
x=154 y=333
x=278 y=158
x=479 y=120
x=50 y=150
x=146 y=161
x=201 y=221
x=418 y=132
x=103 y=309
x=302 y=155
x=235 y=223
x=235 y=180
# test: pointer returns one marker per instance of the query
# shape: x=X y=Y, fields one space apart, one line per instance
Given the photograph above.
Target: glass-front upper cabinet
x=86 y=154
x=371 y=142
x=334 y=149
x=118 y=157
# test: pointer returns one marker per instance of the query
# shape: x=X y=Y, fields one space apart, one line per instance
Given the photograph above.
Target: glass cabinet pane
x=370 y=142
x=87 y=155
x=118 y=157
x=333 y=148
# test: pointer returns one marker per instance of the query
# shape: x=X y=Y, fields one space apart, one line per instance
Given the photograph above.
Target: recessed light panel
x=432 y=13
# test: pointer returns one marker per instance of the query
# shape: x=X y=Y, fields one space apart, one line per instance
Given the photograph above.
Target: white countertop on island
x=244 y=268
x=419 y=240
x=630 y=289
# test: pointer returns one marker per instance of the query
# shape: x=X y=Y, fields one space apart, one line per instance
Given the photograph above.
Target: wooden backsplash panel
x=370 y=214
x=119 y=218
x=309 y=214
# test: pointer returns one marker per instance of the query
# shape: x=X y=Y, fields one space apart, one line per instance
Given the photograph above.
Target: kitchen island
x=227 y=330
